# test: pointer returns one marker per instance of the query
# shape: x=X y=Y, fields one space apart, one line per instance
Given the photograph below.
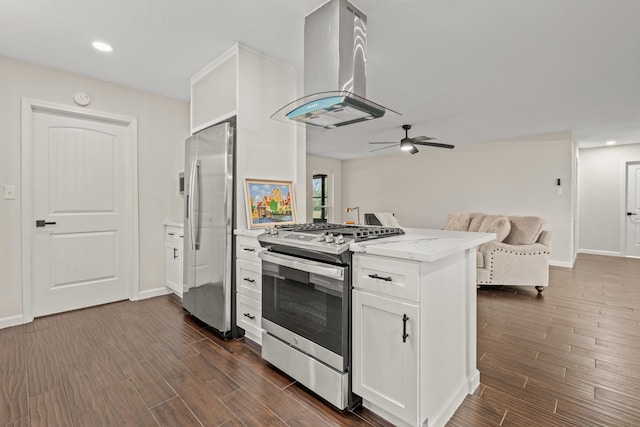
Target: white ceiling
x=463 y=71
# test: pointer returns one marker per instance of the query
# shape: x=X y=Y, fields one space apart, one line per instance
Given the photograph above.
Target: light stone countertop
x=249 y=233
x=173 y=224
x=423 y=244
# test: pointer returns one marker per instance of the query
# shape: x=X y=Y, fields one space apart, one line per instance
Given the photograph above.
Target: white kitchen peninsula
x=414 y=324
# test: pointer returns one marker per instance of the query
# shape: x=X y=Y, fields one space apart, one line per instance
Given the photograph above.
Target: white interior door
x=633 y=210
x=79 y=256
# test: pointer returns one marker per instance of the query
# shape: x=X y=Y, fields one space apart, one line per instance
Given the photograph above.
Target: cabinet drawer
x=249 y=314
x=247 y=248
x=173 y=234
x=395 y=278
x=249 y=278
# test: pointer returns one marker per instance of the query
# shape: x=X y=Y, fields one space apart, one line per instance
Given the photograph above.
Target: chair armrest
x=515 y=264
x=545 y=238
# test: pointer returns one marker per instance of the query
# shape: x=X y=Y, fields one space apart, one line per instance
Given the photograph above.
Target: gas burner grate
x=358 y=232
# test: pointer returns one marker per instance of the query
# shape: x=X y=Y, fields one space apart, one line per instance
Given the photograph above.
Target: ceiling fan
x=409 y=144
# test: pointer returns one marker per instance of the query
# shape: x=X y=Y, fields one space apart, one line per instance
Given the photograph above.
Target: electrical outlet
x=9 y=192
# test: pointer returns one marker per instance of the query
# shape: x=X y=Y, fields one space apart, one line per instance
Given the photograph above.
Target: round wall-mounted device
x=82 y=99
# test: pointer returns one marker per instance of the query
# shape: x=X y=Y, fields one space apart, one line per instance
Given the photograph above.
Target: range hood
x=335 y=44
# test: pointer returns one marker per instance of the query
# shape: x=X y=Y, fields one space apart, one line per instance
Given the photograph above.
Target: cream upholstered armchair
x=518 y=256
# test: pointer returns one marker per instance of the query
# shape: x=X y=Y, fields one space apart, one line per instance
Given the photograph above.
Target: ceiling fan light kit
x=409 y=144
x=406 y=145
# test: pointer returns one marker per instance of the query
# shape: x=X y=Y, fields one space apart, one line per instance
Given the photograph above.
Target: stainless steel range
x=306 y=301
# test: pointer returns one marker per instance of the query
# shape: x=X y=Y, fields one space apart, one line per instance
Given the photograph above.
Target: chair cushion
x=497 y=224
x=476 y=220
x=458 y=222
x=525 y=230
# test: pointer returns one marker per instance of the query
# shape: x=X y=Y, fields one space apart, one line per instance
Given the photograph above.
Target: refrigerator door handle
x=192 y=196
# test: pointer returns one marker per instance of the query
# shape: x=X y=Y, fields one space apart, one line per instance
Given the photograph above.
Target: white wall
x=513 y=177
x=267 y=148
x=333 y=169
x=163 y=124
x=602 y=198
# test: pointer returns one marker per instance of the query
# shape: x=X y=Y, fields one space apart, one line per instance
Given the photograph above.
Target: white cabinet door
x=385 y=354
x=173 y=259
x=173 y=266
x=214 y=92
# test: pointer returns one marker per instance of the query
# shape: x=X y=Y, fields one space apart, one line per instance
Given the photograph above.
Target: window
x=320 y=198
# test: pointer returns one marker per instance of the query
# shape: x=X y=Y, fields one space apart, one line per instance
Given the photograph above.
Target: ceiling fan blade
x=382 y=148
x=422 y=138
x=383 y=142
x=435 y=144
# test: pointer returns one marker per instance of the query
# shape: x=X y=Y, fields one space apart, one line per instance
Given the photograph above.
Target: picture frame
x=269 y=203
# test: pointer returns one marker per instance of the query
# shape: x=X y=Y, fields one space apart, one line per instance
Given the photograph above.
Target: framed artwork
x=269 y=203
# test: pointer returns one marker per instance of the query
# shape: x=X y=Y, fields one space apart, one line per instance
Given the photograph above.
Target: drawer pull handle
x=43 y=223
x=405 y=335
x=248 y=249
x=375 y=276
x=175 y=253
x=248 y=280
x=249 y=316
x=171 y=234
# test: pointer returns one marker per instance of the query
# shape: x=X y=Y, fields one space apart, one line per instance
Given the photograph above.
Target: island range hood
x=335 y=44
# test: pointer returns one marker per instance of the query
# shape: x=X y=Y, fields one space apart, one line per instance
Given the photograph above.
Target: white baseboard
x=150 y=293
x=441 y=418
x=603 y=253
x=7 y=322
x=563 y=264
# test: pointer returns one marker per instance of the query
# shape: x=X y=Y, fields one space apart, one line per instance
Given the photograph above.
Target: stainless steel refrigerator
x=209 y=196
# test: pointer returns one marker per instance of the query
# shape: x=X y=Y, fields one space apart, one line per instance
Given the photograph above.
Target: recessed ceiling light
x=102 y=46
x=612 y=142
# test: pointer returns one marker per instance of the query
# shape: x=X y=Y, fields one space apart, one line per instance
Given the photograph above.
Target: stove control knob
x=329 y=238
x=339 y=239
x=320 y=238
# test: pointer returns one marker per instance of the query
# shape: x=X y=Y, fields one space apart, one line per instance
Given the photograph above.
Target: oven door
x=303 y=304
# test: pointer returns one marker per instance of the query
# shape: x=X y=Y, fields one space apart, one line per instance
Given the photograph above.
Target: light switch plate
x=559 y=191
x=9 y=192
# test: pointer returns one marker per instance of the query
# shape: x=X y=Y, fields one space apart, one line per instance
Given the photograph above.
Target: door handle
x=375 y=276
x=405 y=335
x=631 y=213
x=175 y=253
x=190 y=205
x=43 y=223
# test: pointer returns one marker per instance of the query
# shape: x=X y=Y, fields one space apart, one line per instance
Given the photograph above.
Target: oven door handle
x=303 y=265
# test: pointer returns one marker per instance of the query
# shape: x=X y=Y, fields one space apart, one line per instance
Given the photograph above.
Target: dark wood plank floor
x=570 y=357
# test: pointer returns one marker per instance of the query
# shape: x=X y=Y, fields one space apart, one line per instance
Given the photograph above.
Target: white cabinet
x=413 y=360
x=173 y=256
x=249 y=285
x=213 y=92
x=385 y=352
